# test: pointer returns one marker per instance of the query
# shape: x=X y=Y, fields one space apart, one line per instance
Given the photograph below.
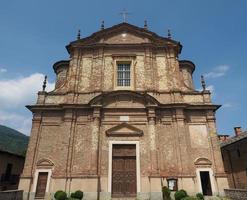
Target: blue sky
x=34 y=35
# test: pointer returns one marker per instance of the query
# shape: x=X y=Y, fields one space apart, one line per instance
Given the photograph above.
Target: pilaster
x=152 y=139
x=214 y=141
x=95 y=139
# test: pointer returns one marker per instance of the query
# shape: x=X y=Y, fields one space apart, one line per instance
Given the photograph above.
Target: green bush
x=166 y=193
x=56 y=193
x=72 y=195
x=179 y=195
x=60 y=195
x=184 y=192
x=189 y=198
x=199 y=196
x=77 y=195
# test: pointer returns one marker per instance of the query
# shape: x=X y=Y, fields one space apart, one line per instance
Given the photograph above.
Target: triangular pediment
x=124 y=129
x=124 y=33
x=124 y=37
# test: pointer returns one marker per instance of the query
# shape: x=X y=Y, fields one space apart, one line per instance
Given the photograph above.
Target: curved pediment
x=124 y=99
x=202 y=161
x=45 y=163
x=124 y=129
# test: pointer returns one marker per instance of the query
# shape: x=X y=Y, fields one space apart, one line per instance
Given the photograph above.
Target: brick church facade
x=123 y=120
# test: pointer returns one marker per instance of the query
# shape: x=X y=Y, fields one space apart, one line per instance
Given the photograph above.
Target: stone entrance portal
x=124 y=170
x=205 y=182
x=41 y=184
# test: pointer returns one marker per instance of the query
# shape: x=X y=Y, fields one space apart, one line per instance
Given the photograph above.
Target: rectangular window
x=123 y=74
x=172 y=184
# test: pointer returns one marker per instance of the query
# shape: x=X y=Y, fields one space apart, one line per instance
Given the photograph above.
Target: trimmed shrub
x=72 y=195
x=60 y=195
x=200 y=196
x=166 y=193
x=189 y=198
x=78 y=194
x=179 y=195
x=56 y=193
x=184 y=192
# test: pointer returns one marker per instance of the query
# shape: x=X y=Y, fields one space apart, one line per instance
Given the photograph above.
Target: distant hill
x=13 y=141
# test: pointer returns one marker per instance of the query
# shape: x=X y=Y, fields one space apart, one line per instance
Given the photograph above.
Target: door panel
x=41 y=184
x=123 y=171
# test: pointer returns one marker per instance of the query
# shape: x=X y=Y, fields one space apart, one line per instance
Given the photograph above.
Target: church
x=123 y=121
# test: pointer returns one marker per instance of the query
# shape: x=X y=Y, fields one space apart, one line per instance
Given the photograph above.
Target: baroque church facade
x=123 y=120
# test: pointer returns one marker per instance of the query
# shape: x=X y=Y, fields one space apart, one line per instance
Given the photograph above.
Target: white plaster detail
x=36 y=175
x=124 y=118
x=211 y=176
x=124 y=34
x=138 y=178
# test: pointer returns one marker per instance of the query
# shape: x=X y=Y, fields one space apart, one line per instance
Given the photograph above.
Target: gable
x=124 y=129
x=114 y=35
x=125 y=38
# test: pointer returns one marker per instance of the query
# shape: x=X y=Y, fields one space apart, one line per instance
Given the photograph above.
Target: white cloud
x=14 y=95
x=218 y=71
x=211 y=89
x=227 y=105
x=16 y=121
x=21 y=91
x=2 y=70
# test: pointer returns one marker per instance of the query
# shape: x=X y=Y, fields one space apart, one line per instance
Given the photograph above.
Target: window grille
x=123 y=74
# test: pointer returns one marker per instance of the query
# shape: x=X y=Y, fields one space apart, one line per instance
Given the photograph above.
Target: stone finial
x=79 y=34
x=102 y=25
x=145 y=24
x=44 y=83
x=169 y=35
x=203 y=83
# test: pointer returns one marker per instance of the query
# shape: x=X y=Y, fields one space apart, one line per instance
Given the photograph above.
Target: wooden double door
x=124 y=170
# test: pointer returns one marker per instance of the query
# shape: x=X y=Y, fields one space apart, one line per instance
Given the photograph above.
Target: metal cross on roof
x=124 y=13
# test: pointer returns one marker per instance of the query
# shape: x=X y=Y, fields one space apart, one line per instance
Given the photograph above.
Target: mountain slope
x=13 y=141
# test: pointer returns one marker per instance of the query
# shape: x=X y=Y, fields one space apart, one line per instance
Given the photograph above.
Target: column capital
x=96 y=113
x=210 y=115
x=179 y=114
x=151 y=120
x=151 y=114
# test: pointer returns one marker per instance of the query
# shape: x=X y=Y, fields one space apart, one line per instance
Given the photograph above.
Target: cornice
x=60 y=107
